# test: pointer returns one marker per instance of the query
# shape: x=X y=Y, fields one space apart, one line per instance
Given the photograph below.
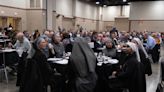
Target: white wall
x=150 y=10
x=50 y=15
x=153 y=26
x=85 y=10
x=109 y=13
x=14 y=3
x=71 y=8
x=126 y=11
x=43 y=3
x=21 y=3
x=64 y=7
x=147 y=16
x=68 y=8
x=36 y=20
x=27 y=3
x=80 y=10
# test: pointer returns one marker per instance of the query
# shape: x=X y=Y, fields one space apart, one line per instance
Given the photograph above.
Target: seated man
x=22 y=43
x=24 y=47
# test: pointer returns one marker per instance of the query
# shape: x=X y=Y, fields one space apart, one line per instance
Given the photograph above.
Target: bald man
x=22 y=42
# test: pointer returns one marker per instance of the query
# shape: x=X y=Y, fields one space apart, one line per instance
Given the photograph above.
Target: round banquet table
x=8 y=56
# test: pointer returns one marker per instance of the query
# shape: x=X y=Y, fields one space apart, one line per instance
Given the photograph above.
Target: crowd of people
x=134 y=50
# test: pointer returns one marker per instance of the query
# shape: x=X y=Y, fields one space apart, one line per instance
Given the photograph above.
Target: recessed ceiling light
x=124 y=0
x=104 y=5
x=97 y=2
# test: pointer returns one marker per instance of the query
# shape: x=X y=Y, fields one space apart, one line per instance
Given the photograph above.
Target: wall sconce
x=15 y=13
x=2 y=12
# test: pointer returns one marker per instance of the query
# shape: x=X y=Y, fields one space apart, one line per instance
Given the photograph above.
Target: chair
x=162 y=71
x=3 y=68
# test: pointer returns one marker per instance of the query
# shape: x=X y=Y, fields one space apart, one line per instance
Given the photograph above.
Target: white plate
x=67 y=58
x=99 y=63
x=55 y=59
x=113 y=61
x=62 y=62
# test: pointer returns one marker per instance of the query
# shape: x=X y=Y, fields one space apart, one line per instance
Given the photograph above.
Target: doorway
x=14 y=21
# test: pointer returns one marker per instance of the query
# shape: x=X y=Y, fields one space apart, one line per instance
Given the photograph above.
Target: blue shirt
x=151 y=42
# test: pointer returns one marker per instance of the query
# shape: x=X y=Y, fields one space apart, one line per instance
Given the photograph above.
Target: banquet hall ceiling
x=114 y=2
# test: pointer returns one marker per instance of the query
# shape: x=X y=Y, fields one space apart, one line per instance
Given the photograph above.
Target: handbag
x=160 y=86
x=148 y=68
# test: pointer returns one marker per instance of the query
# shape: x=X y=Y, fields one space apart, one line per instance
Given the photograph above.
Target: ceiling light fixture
x=124 y=0
x=97 y=2
x=104 y=5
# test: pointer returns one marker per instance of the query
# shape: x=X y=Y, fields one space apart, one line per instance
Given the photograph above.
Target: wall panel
x=36 y=20
x=86 y=24
x=151 y=25
x=148 y=10
x=14 y=3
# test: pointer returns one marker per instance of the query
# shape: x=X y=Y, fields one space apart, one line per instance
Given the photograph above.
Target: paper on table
x=113 y=61
x=63 y=62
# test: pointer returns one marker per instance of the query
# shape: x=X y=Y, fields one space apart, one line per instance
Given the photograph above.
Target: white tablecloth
x=106 y=60
x=8 y=50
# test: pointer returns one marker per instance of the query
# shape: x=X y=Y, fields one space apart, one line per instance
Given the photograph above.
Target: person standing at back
x=150 y=45
x=82 y=67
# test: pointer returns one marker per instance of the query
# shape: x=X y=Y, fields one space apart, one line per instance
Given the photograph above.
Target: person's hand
x=120 y=66
x=50 y=46
x=114 y=73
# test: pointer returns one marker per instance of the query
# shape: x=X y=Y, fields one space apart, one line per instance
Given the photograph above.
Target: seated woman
x=132 y=75
x=58 y=46
x=82 y=65
x=110 y=50
x=38 y=73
